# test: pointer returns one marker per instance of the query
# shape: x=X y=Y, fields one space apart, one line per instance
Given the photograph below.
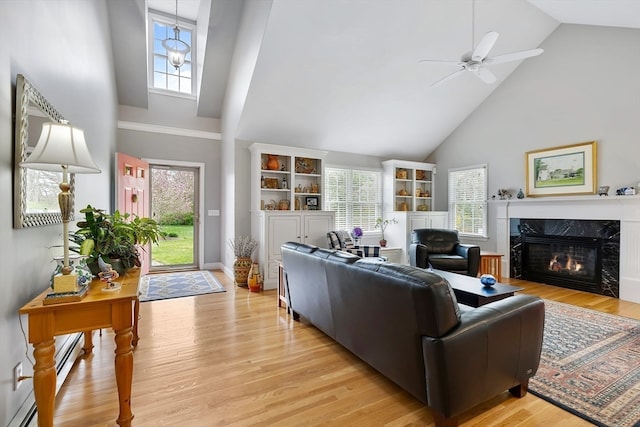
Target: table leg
x=124 y=374
x=44 y=381
x=136 y=314
x=88 y=342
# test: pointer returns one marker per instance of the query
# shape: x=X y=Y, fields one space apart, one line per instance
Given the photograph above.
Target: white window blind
x=468 y=200
x=355 y=196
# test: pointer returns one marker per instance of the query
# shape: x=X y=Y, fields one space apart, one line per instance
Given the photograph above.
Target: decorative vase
x=272 y=162
x=80 y=268
x=383 y=243
x=254 y=274
x=241 y=267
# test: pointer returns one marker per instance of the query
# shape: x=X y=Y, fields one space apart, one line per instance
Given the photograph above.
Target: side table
x=491 y=263
x=391 y=254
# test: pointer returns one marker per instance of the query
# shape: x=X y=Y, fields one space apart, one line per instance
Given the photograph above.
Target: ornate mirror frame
x=31 y=103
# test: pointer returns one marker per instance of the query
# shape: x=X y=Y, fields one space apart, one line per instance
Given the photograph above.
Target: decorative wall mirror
x=35 y=192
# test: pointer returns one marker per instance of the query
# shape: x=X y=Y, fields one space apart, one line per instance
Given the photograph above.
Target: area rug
x=590 y=365
x=176 y=285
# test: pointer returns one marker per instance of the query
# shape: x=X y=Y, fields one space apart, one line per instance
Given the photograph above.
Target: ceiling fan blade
x=486 y=75
x=440 y=61
x=515 y=56
x=482 y=50
x=447 y=78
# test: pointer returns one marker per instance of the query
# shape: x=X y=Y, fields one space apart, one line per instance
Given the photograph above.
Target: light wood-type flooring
x=236 y=359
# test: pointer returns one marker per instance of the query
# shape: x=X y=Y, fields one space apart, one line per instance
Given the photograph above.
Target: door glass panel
x=173 y=205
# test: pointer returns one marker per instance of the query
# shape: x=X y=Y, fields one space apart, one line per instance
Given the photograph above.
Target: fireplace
x=571 y=262
x=571 y=253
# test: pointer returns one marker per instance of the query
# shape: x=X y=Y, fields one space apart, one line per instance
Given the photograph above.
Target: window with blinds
x=468 y=200
x=355 y=196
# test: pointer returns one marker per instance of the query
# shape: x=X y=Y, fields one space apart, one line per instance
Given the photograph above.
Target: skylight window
x=165 y=76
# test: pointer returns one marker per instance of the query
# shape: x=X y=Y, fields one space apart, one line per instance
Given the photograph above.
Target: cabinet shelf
x=414 y=180
x=302 y=169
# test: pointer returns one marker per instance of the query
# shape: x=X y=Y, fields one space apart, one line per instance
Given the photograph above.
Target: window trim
x=485 y=219
x=170 y=20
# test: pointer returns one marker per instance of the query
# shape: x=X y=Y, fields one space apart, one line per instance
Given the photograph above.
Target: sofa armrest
x=495 y=347
x=418 y=255
x=472 y=254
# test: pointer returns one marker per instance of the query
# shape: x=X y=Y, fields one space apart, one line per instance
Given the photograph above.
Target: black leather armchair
x=442 y=250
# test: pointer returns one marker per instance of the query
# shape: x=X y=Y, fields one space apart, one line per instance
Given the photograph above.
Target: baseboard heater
x=65 y=358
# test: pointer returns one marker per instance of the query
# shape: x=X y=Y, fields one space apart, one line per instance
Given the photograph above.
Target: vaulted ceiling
x=345 y=75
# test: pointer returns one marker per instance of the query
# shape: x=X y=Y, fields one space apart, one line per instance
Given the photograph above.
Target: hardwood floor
x=236 y=359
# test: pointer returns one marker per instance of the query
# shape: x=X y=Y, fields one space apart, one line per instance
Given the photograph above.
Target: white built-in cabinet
x=286 y=178
x=273 y=228
x=408 y=196
x=407 y=186
x=287 y=202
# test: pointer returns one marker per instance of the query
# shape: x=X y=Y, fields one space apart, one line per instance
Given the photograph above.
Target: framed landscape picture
x=562 y=171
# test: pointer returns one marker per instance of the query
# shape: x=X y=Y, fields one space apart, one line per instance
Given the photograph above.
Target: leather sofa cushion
x=448 y=262
x=438 y=241
x=433 y=298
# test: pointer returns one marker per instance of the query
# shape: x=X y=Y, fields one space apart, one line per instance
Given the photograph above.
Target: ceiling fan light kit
x=478 y=59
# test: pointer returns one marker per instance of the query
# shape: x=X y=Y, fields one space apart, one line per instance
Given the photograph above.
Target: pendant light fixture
x=176 y=49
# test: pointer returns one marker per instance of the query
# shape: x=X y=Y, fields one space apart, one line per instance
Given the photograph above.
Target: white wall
x=584 y=87
x=63 y=47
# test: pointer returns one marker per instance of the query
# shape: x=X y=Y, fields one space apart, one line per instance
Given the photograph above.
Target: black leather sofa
x=406 y=323
x=442 y=250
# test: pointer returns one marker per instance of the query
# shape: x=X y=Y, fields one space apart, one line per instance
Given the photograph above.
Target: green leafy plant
x=382 y=224
x=113 y=236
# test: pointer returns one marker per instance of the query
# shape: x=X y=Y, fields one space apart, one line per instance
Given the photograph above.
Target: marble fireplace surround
x=625 y=209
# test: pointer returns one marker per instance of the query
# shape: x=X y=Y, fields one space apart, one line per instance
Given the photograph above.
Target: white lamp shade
x=61 y=144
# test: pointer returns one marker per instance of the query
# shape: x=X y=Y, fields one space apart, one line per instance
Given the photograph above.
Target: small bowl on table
x=487 y=280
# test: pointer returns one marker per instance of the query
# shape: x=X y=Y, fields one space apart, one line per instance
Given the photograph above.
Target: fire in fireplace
x=573 y=262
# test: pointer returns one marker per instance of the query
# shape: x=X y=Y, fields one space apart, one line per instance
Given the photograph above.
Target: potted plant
x=356 y=233
x=242 y=247
x=382 y=224
x=115 y=237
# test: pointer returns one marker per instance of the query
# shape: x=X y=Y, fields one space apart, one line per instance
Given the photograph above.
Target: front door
x=175 y=205
x=132 y=193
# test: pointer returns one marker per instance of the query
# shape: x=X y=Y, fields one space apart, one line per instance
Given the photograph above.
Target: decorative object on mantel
x=562 y=171
x=382 y=224
x=626 y=191
x=603 y=190
x=504 y=194
x=242 y=248
x=520 y=194
x=62 y=147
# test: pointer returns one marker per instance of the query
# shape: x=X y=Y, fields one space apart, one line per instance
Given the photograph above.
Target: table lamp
x=62 y=147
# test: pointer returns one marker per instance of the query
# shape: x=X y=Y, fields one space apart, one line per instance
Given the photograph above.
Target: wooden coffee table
x=470 y=291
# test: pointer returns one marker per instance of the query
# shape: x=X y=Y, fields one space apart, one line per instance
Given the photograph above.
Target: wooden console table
x=97 y=310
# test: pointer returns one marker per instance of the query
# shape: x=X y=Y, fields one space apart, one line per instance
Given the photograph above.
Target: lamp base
x=65 y=283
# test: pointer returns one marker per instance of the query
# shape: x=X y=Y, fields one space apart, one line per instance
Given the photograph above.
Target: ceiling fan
x=477 y=60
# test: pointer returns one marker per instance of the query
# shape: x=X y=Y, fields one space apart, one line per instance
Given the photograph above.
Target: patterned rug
x=590 y=365
x=175 y=285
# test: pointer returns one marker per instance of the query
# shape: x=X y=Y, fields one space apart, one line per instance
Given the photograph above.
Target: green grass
x=175 y=250
x=578 y=180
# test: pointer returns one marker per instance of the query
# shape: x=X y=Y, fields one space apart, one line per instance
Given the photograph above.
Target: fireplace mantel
x=625 y=209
